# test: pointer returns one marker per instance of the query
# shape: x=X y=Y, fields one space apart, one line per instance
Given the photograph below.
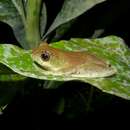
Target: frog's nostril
x=109 y=65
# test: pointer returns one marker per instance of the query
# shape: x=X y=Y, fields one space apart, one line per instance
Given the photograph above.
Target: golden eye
x=45 y=56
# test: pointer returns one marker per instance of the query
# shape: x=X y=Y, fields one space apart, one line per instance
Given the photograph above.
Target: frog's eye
x=45 y=56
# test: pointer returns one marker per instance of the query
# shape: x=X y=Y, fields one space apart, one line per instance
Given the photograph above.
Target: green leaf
x=61 y=30
x=7 y=74
x=19 y=5
x=5 y=70
x=43 y=19
x=111 y=48
x=10 y=13
x=70 y=10
x=11 y=77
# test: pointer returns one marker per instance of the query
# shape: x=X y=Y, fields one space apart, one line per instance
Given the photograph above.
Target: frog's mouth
x=40 y=66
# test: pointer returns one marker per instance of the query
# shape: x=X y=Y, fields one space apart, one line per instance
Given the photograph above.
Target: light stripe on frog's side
x=77 y=64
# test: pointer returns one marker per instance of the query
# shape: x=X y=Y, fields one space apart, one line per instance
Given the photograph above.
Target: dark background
x=34 y=110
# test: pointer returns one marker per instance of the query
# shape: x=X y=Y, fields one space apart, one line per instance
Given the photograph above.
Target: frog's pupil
x=109 y=65
x=45 y=56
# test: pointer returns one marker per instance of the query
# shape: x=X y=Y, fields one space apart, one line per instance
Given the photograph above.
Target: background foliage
x=110 y=17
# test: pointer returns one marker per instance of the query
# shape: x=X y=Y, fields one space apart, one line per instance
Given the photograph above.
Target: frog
x=78 y=63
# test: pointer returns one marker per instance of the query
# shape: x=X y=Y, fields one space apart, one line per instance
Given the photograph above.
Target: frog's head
x=47 y=57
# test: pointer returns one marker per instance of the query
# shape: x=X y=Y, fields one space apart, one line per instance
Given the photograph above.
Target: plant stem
x=52 y=84
x=90 y=98
x=32 y=22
